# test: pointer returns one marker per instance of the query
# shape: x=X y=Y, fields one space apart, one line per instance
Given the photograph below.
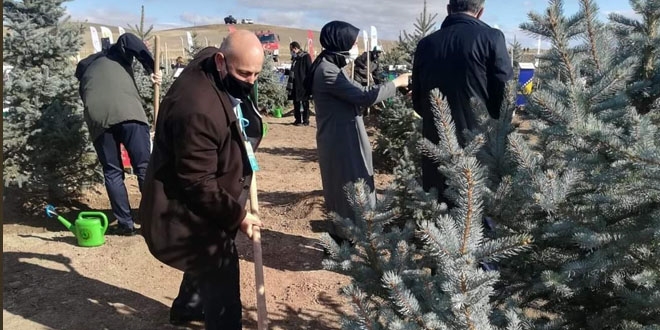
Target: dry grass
x=172 y=38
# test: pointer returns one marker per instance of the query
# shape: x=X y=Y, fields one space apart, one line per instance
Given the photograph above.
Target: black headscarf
x=337 y=39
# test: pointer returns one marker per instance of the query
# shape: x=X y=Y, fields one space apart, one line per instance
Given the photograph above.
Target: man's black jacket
x=466 y=58
x=361 y=68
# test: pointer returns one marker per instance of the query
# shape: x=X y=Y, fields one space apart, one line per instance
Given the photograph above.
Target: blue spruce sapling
x=46 y=148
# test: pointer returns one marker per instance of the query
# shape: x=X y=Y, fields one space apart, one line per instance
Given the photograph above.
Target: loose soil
x=50 y=283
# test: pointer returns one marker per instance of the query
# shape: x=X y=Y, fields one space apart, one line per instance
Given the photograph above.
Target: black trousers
x=432 y=178
x=214 y=292
x=301 y=111
x=134 y=136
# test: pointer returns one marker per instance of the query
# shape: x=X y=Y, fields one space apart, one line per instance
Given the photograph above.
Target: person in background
x=198 y=180
x=114 y=115
x=342 y=142
x=178 y=67
x=374 y=67
x=466 y=59
x=368 y=73
x=301 y=61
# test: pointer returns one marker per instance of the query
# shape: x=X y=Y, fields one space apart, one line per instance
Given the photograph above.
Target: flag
x=96 y=42
x=190 y=40
x=106 y=33
x=374 y=37
x=310 y=43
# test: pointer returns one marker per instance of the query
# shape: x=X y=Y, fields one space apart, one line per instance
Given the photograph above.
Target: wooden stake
x=262 y=313
x=353 y=70
x=369 y=70
x=156 y=71
x=368 y=63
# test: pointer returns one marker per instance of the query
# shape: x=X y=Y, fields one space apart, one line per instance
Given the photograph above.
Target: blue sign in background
x=525 y=78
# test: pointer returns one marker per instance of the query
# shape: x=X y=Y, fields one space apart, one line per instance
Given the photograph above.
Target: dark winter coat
x=360 y=71
x=198 y=179
x=299 y=67
x=107 y=86
x=465 y=59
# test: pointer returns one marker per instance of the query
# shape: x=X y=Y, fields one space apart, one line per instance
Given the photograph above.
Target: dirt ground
x=50 y=283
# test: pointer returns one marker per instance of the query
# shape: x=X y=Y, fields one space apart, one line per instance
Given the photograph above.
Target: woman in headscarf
x=342 y=142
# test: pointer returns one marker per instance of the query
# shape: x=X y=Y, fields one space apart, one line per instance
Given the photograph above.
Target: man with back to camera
x=114 y=114
x=465 y=59
x=198 y=180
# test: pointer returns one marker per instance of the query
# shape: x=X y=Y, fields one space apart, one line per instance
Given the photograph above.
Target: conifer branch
x=406 y=301
x=467 y=172
x=431 y=236
x=562 y=49
x=358 y=298
x=466 y=308
x=588 y=8
x=444 y=123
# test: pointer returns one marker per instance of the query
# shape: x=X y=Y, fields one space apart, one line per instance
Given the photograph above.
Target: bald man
x=198 y=179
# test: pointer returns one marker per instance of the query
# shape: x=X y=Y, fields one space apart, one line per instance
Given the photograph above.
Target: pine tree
x=271 y=92
x=516 y=57
x=398 y=124
x=587 y=191
x=440 y=285
x=639 y=40
x=195 y=48
x=424 y=25
x=395 y=56
x=585 y=187
x=139 y=29
x=46 y=147
x=399 y=129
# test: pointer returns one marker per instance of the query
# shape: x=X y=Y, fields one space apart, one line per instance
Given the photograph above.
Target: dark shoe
x=306 y=124
x=297 y=123
x=122 y=231
x=181 y=318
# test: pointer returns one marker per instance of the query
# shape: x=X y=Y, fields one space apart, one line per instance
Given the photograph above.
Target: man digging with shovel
x=198 y=180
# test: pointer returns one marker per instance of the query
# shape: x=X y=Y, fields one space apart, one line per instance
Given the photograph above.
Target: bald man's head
x=241 y=55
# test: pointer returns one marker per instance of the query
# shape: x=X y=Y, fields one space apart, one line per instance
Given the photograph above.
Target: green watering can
x=89 y=228
x=277 y=112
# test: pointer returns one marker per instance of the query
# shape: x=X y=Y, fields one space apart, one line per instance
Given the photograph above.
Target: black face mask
x=235 y=87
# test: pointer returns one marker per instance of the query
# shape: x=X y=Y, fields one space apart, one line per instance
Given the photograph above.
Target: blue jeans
x=135 y=138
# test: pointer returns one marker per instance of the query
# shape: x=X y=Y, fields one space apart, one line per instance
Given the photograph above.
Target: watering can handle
x=104 y=219
x=105 y=222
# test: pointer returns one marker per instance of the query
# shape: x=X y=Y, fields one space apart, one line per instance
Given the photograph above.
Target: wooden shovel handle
x=262 y=313
x=156 y=71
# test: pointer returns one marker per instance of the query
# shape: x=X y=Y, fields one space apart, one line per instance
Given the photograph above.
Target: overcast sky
x=389 y=16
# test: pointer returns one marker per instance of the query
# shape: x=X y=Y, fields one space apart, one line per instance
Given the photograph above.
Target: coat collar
x=210 y=68
x=461 y=18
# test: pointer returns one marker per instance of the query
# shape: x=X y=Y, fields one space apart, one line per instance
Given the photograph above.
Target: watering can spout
x=50 y=212
x=66 y=223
